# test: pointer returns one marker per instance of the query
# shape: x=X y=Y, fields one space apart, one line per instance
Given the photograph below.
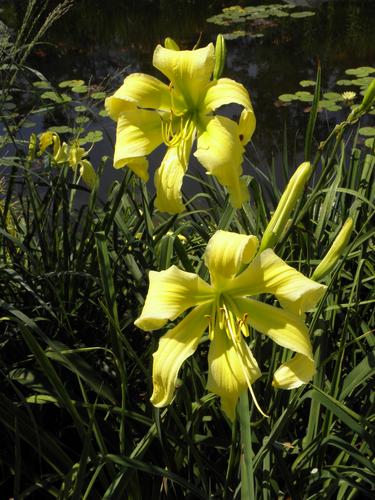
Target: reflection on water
x=98 y=38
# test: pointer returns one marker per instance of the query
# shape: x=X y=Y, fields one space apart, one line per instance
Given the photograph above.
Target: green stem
x=247 y=473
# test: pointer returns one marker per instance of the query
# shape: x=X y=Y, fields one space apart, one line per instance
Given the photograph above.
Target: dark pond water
x=97 y=39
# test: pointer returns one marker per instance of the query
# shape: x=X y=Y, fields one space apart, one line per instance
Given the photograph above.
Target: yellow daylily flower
x=225 y=308
x=70 y=153
x=149 y=112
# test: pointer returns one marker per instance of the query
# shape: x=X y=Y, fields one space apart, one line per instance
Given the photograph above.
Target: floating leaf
x=53 y=96
x=80 y=108
x=234 y=35
x=367 y=131
x=363 y=82
x=307 y=83
x=333 y=96
x=80 y=89
x=42 y=85
x=98 y=95
x=82 y=119
x=298 y=15
x=304 y=96
x=329 y=106
x=103 y=112
x=91 y=137
x=361 y=71
x=287 y=97
x=71 y=83
x=346 y=83
x=62 y=129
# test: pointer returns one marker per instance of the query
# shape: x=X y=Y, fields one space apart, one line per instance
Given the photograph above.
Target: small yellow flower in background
x=149 y=113
x=225 y=309
x=72 y=154
x=349 y=95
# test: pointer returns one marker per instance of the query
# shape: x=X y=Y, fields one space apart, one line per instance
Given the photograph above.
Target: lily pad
x=53 y=96
x=304 y=96
x=287 y=97
x=367 y=131
x=363 y=82
x=71 y=83
x=82 y=119
x=329 y=106
x=103 y=112
x=91 y=137
x=98 y=95
x=42 y=85
x=299 y=15
x=62 y=129
x=346 y=83
x=80 y=89
x=333 y=96
x=80 y=108
x=307 y=83
x=361 y=71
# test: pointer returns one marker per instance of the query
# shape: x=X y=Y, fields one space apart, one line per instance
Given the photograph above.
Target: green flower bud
x=334 y=253
x=169 y=43
x=286 y=205
x=220 y=55
x=369 y=97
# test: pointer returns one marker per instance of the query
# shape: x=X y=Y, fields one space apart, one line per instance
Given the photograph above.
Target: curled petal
x=267 y=273
x=225 y=91
x=220 y=151
x=282 y=326
x=116 y=107
x=188 y=70
x=169 y=177
x=246 y=126
x=230 y=370
x=170 y=293
x=174 y=347
x=297 y=371
x=138 y=133
x=139 y=90
x=226 y=252
x=87 y=173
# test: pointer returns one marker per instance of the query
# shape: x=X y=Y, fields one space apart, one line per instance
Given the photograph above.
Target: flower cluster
x=225 y=309
x=149 y=112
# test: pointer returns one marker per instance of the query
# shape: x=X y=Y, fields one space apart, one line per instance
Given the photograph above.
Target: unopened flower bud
x=334 y=253
x=220 y=55
x=286 y=205
x=369 y=97
x=169 y=43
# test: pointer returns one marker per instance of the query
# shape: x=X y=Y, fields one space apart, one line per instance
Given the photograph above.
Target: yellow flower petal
x=225 y=91
x=138 y=133
x=246 y=126
x=174 y=347
x=88 y=173
x=230 y=370
x=45 y=140
x=220 y=151
x=267 y=273
x=169 y=177
x=143 y=91
x=226 y=252
x=282 y=326
x=188 y=70
x=297 y=371
x=116 y=107
x=170 y=293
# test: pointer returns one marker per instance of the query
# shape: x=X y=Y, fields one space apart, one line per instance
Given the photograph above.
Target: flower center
x=226 y=318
